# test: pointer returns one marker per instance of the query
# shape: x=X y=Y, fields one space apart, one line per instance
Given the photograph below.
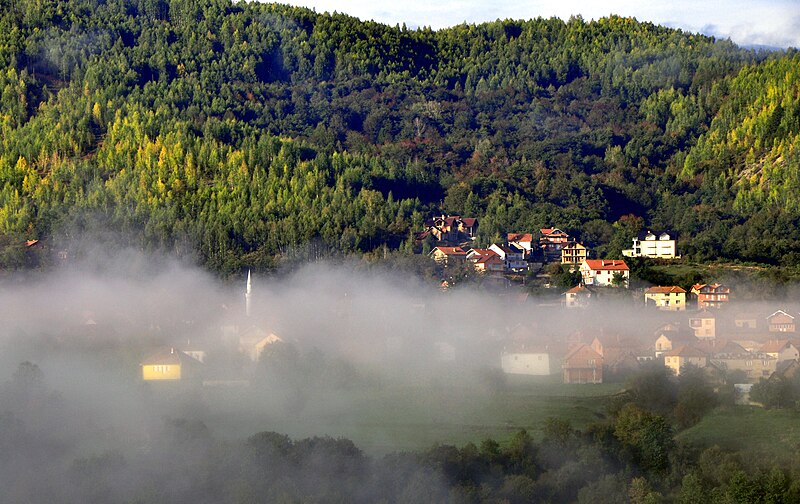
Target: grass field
x=769 y=434
x=412 y=418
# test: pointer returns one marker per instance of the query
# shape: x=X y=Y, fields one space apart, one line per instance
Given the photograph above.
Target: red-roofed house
x=486 y=260
x=579 y=296
x=521 y=240
x=448 y=255
x=782 y=350
x=551 y=241
x=780 y=321
x=452 y=228
x=711 y=295
x=601 y=272
x=678 y=358
x=583 y=365
x=666 y=298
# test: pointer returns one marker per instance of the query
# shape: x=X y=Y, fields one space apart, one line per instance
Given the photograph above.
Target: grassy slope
x=773 y=434
x=406 y=418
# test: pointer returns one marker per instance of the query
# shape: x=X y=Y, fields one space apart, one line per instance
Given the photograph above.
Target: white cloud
x=767 y=22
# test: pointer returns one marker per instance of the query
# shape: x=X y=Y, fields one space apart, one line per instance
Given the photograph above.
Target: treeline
x=237 y=132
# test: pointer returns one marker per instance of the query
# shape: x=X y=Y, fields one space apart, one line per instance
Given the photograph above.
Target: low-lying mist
x=372 y=356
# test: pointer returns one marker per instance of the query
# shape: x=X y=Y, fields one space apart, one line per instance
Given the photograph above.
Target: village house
x=666 y=298
x=169 y=364
x=711 y=295
x=551 y=241
x=669 y=337
x=602 y=272
x=619 y=354
x=486 y=260
x=451 y=228
x=682 y=356
x=583 y=365
x=745 y=321
x=573 y=254
x=655 y=245
x=512 y=255
x=704 y=324
x=733 y=357
x=526 y=359
x=448 y=256
x=254 y=340
x=786 y=370
x=780 y=321
x=521 y=240
x=782 y=350
x=579 y=296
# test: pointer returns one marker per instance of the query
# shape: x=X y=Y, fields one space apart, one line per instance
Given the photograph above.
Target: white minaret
x=247 y=295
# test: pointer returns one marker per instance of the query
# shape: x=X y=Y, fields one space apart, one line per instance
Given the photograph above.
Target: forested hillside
x=236 y=133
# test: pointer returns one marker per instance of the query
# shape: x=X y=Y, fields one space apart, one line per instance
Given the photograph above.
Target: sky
x=773 y=23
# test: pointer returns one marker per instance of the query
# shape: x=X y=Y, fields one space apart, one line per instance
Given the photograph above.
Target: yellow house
x=704 y=324
x=444 y=255
x=573 y=253
x=167 y=364
x=666 y=298
x=683 y=355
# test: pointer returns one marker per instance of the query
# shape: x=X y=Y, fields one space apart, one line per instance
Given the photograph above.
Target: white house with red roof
x=521 y=240
x=601 y=272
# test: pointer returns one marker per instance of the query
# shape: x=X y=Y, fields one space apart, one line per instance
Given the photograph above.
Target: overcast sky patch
x=755 y=22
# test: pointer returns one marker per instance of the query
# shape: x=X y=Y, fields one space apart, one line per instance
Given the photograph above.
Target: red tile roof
x=774 y=346
x=549 y=231
x=665 y=290
x=607 y=264
x=714 y=288
x=519 y=237
x=454 y=251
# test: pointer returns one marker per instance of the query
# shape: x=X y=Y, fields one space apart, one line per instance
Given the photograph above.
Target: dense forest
x=236 y=134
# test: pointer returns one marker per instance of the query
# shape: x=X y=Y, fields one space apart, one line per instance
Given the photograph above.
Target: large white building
x=650 y=244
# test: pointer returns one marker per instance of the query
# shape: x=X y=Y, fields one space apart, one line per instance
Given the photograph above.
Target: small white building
x=527 y=361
